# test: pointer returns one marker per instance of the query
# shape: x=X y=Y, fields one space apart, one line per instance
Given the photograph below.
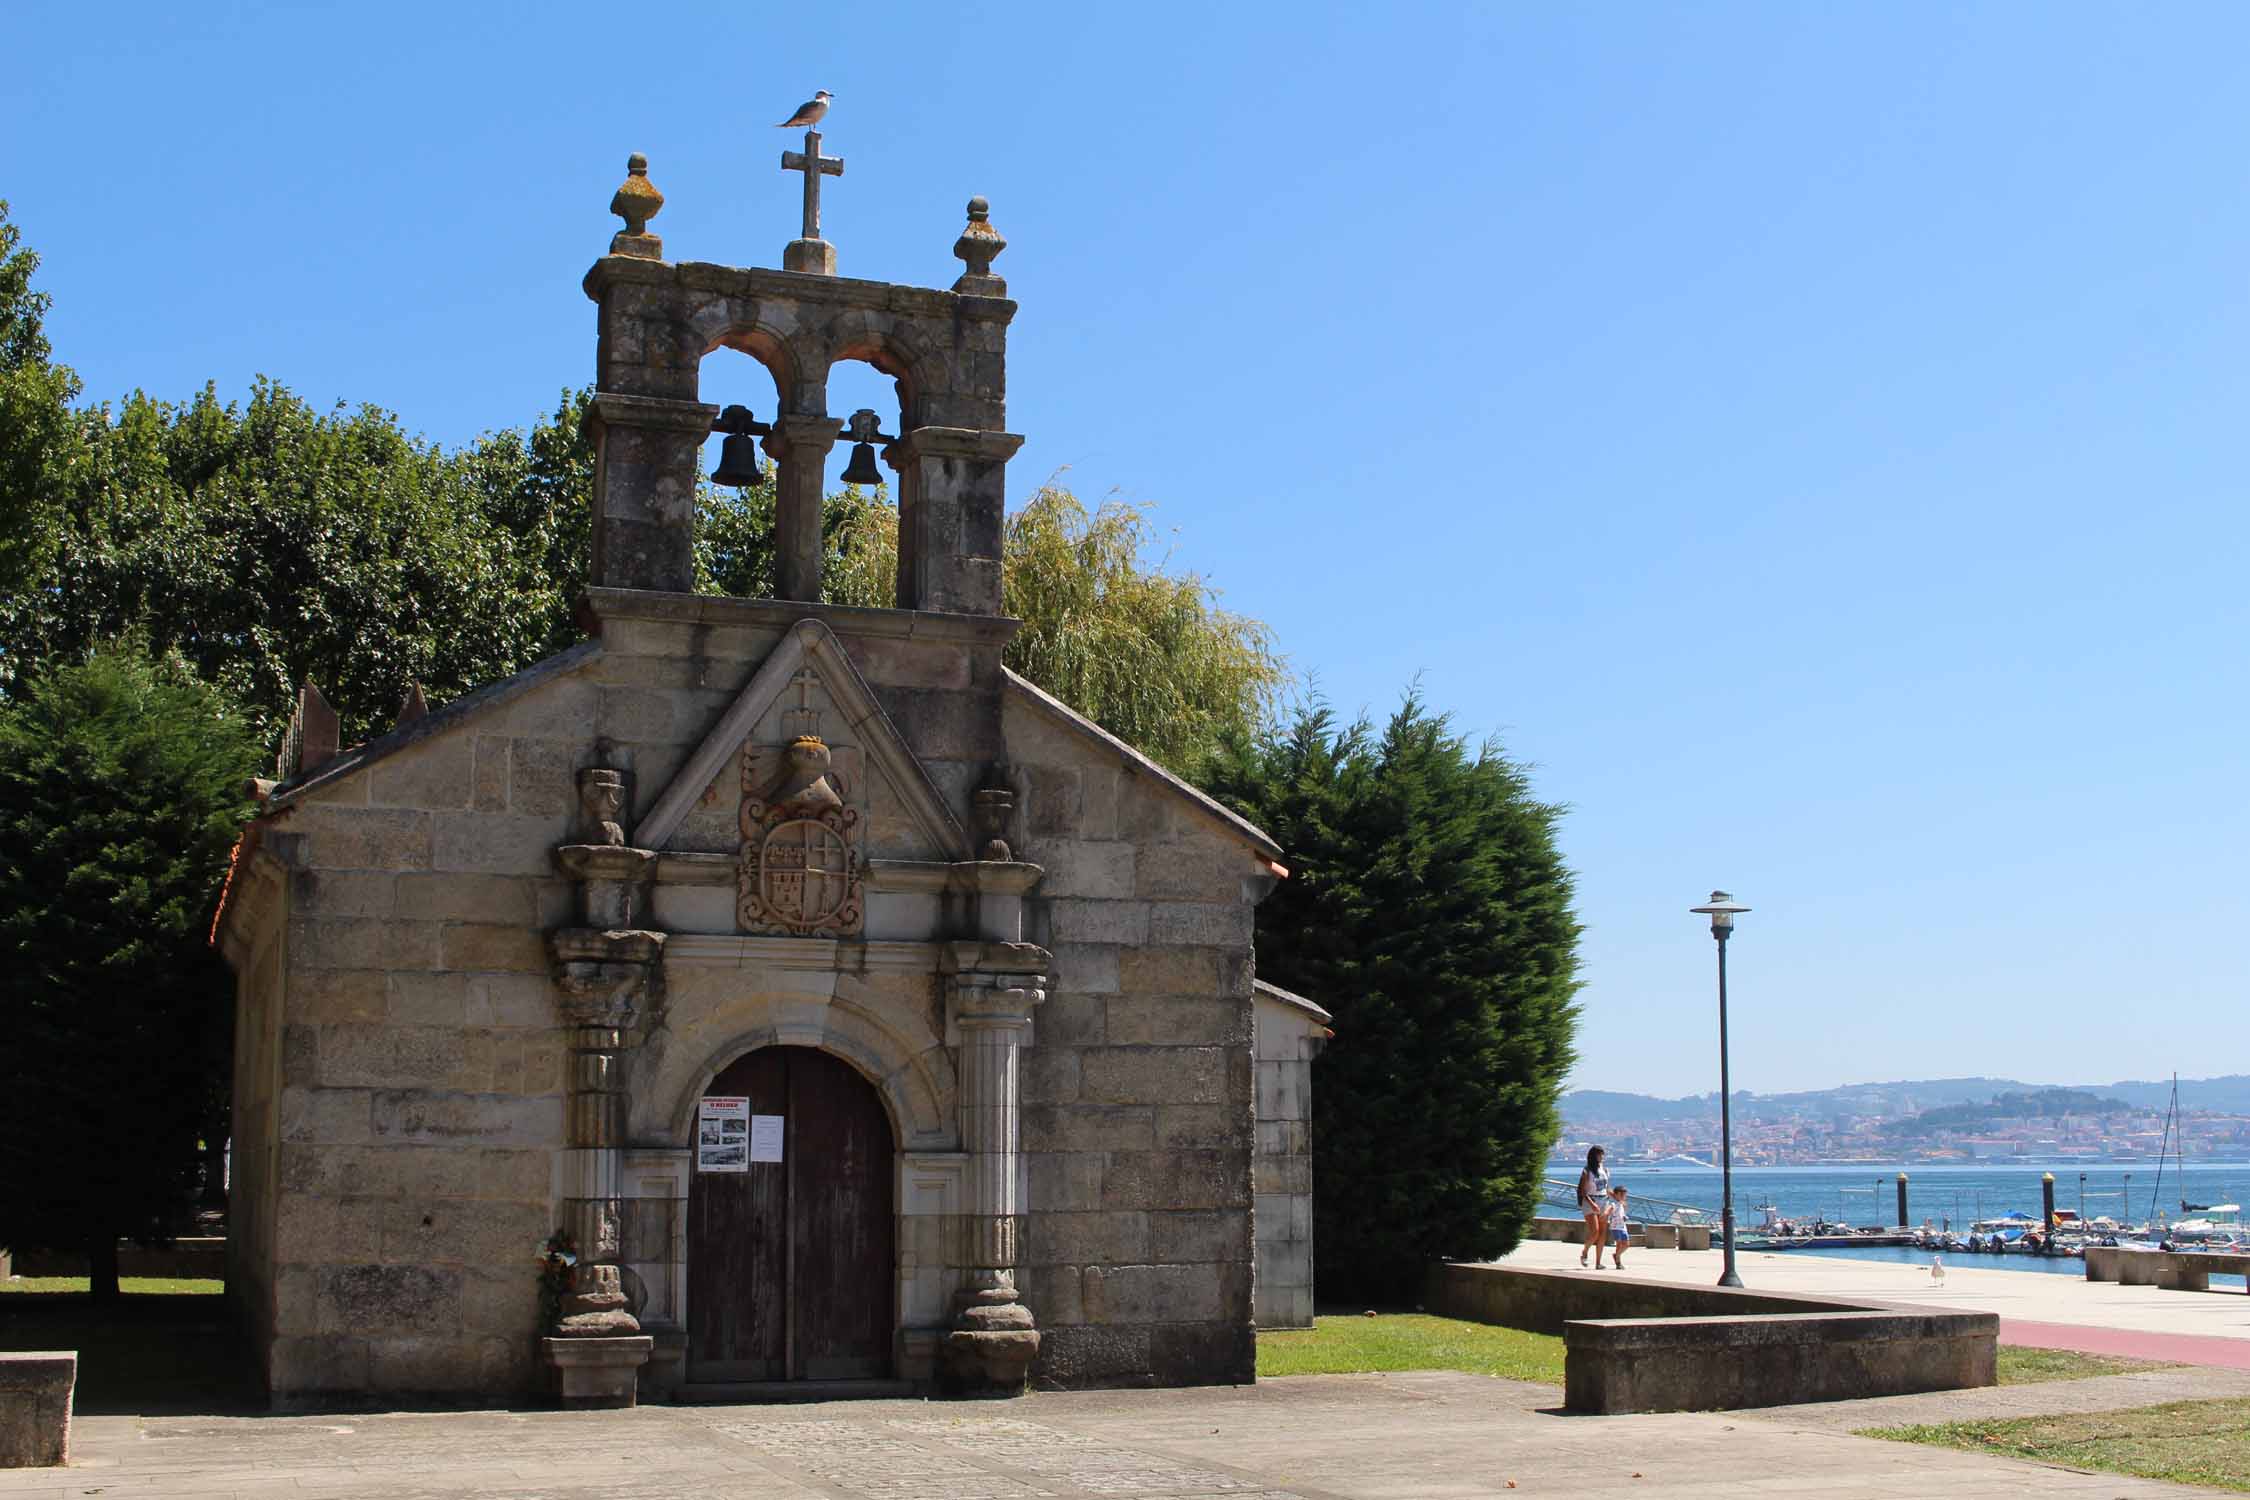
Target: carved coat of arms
x=801 y=868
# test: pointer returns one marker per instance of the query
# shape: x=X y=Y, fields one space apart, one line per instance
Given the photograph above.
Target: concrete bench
x=2178 y=1270
x=1631 y=1345
x=1679 y=1236
x=35 y=1392
x=1652 y=1236
x=1724 y=1363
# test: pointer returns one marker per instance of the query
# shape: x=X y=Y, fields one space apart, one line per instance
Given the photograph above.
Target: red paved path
x=2128 y=1343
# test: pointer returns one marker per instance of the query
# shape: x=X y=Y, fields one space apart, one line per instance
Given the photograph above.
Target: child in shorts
x=1614 y=1211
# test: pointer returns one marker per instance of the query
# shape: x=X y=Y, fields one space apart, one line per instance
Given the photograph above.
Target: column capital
x=803 y=436
x=615 y=409
x=604 y=978
x=956 y=442
x=992 y=1003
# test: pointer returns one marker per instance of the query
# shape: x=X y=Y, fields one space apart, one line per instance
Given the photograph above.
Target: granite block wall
x=420 y=1078
x=402 y=1074
x=1138 y=1126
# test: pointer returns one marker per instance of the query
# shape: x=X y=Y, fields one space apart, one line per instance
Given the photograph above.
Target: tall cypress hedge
x=1429 y=909
x=121 y=790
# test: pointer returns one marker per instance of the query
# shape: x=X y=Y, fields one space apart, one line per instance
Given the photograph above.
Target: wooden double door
x=791 y=1265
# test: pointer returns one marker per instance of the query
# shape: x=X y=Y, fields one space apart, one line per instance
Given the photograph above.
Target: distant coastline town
x=1959 y=1121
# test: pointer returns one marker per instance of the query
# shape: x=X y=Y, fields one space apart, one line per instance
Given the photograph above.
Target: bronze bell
x=862 y=470
x=738 y=462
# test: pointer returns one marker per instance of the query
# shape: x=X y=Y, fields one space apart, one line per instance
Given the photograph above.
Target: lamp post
x=1722 y=911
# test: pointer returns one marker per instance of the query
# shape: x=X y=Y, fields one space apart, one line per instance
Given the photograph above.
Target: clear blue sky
x=1813 y=435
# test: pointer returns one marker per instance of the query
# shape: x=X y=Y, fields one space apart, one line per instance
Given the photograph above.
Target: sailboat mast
x=2164 y=1148
x=2179 y=1139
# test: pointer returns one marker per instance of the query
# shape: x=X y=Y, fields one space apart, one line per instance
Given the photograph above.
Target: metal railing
x=1561 y=1194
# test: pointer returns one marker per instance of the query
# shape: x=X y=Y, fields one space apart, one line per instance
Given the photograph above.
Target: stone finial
x=601 y=796
x=313 y=738
x=980 y=244
x=414 y=707
x=994 y=817
x=636 y=202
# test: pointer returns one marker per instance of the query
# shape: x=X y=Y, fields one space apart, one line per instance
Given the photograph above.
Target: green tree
x=1145 y=652
x=121 y=790
x=268 y=543
x=39 y=434
x=1428 y=907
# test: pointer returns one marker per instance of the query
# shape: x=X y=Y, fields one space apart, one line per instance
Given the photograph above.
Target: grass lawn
x=2190 y=1442
x=1352 y=1344
x=2031 y=1366
x=129 y=1285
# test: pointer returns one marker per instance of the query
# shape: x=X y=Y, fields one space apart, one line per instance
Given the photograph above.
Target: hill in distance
x=2229 y=1094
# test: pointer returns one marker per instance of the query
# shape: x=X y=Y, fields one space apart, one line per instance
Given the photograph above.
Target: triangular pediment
x=808 y=685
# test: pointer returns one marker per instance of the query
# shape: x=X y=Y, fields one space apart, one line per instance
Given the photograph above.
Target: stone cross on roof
x=810 y=252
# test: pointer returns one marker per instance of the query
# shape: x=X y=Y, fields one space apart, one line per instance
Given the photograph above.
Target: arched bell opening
x=869 y=391
x=736 y=484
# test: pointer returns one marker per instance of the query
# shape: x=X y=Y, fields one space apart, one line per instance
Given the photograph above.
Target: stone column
x=994 y=988
x=799 y=446
x=647 y=450
x=597 y=1347
x=605 y=972
x=952 y=502
x=601 y=977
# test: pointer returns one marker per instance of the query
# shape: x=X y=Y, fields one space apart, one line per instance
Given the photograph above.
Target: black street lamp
x=1722 y=911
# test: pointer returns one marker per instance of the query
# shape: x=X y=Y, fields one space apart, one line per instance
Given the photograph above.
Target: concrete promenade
x=1430 y=1436
x=2049 y=1312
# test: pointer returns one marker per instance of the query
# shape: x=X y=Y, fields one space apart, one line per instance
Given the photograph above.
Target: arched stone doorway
x=791 y=1264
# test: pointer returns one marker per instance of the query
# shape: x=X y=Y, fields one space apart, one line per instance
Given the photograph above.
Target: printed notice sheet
x=765 y=1137
x=722 y=1134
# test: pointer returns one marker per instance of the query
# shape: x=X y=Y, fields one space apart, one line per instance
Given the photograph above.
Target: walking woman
x=1593 y=1202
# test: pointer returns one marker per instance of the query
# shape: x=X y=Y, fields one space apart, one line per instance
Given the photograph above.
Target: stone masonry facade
x=489 y=963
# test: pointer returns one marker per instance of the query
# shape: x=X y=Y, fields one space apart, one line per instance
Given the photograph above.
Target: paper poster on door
x=722 y=1134
x=765 y=1137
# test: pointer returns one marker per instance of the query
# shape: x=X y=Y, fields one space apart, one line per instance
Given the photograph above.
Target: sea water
x=1959 y=1195
x=1939 y=1196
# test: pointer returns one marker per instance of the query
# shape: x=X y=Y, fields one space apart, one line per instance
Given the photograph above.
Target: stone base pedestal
x=596 y=1305
x=815 y=256
x=35 y=1392
x=991 y=1346
x=597 y=1373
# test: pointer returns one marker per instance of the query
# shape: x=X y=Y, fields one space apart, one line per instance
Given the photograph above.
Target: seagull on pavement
x=1937 y=1270
x=808 y=113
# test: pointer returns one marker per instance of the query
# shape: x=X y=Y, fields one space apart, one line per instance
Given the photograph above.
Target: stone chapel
x=759 y=991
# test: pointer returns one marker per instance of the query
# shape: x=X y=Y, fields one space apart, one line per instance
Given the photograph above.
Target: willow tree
x=1145 y=652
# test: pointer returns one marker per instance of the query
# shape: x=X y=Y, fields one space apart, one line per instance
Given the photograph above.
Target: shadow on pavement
x=145 y=1354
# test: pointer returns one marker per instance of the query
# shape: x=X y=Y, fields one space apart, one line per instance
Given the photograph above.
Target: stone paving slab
x=1426 y=1436
x=2023 y=1299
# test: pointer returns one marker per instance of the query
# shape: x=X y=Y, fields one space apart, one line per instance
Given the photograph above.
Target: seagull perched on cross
x=808 y=113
